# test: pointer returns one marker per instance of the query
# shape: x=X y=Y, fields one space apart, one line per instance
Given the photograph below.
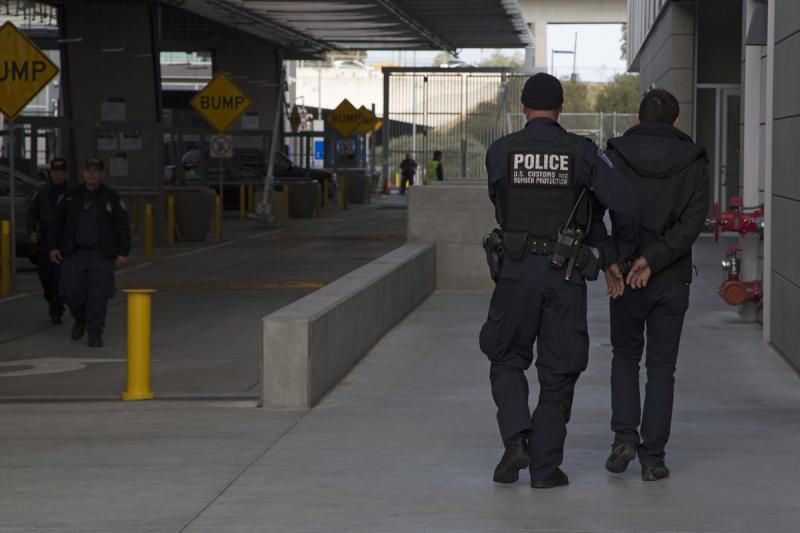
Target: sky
x=598 y=54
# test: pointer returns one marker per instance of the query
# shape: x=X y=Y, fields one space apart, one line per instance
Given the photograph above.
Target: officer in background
x=39 y=220
x=435 y=172
x=536 y=177
x=408 y=167
x=92 y=236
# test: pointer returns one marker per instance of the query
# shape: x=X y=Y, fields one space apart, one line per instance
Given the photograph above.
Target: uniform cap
x=542 y=91
x=58 y=163
x=94 y=162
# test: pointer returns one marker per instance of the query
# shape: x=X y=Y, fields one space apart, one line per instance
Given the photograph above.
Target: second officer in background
x=92 y=236
x=536 y=177
x=40 y=220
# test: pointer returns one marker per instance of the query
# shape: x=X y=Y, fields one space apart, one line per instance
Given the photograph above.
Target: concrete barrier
x=454 y=217
x=193 y=214
x=311 y=344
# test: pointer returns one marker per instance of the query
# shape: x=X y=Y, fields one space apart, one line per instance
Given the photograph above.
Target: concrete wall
x=666 y=59
x=454 y=218
x=313 y=343
x=111 y=54
x=540 y=13
x=785 y=187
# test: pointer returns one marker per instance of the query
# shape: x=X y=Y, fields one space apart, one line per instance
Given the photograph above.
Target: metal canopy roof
x=314 y=26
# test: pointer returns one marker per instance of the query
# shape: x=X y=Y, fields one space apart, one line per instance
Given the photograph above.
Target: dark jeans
x=50 y=278
x=404 y=179
x=533 y=303
x=87 y=284
x=659 y=309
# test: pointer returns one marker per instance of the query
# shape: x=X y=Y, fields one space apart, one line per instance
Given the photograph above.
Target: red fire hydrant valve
x=733 y=290
x=737 y=220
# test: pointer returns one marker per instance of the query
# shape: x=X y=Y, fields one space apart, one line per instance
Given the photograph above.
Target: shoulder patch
x=604 y=157
x=108 y=207
x=122 y=205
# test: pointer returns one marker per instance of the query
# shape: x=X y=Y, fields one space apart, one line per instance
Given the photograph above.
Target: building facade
x=732 y=66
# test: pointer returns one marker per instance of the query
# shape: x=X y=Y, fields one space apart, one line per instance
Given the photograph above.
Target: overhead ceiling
x=315 y=26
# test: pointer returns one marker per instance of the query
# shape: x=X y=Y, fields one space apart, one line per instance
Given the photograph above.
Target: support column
x=752 y=155
x=540 y=38
x=112 y=56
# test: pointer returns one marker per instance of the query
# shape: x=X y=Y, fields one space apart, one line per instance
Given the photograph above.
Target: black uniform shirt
x=42 y=211
x=607 y=185
x=87 y=233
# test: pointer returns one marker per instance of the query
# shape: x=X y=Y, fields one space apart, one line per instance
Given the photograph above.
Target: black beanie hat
x=542 y=91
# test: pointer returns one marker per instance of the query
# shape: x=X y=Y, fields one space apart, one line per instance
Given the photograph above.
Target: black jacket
x=112 y=220
x=670 y=175
x=41 y=214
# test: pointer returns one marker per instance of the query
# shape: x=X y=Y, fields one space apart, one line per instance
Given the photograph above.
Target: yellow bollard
x=170 y=219
x=251 y=193
x=397 y=180
x=324 y=193
x=242 y=203
x=285 y=189
x=317 y=199
x=217 y=218
x=139 y=309
x=5 y=257
x=148 y=232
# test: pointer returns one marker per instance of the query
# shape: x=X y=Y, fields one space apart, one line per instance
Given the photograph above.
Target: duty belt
x=540 y=247
x=87 y=247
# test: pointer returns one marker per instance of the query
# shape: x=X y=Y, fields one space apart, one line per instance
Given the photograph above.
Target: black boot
x=622 y=453
x=557 y=479
x=515 y=458
x=655 y=472
x=78 y=329
x=95 y=341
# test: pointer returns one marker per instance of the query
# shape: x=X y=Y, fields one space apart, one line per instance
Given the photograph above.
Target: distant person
x=670 y=175
x=92 y=236
x=40 y=220
x=408 y=168
x=435 y=172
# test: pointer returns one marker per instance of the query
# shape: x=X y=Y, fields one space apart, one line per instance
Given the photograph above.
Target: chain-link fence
x=460 y=112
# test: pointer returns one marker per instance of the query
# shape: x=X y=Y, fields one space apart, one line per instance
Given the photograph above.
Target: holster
x=493 y=247
x=588 y=262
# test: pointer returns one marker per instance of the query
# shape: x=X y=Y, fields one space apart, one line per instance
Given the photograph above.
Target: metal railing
x=460 y=112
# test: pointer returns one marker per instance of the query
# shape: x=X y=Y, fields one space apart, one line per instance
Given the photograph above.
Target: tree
x=442 y=58
x=497 y=59
x=620 y=95
x=576 y=96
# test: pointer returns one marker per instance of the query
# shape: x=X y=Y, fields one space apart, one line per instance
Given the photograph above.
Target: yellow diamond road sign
x=345 y=118
x=221 y=102
x=24 y=70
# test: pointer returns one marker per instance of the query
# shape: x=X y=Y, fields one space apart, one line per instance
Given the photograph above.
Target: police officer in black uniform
x=536 y=179
x=39 y=220
x=92 y=236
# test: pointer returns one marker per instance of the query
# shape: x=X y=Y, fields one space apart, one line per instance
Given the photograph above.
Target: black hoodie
x=669 y=173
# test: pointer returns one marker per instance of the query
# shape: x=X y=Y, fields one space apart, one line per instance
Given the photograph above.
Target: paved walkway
x=207 y=311
x=407 y=443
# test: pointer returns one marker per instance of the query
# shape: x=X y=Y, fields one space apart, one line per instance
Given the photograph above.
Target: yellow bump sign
x=24 y=70
x=221 y=102
x=345 y=118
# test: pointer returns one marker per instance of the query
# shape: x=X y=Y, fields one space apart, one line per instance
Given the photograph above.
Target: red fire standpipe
x=733 y=290
x=737 y=220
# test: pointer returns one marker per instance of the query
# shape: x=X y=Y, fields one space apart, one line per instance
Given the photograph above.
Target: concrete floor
x=407 y=443
x=207 y=311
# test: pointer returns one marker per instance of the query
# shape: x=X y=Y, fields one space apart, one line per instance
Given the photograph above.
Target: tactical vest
x=540 y=185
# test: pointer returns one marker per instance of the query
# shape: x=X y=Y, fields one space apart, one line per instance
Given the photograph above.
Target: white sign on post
x=221 y=147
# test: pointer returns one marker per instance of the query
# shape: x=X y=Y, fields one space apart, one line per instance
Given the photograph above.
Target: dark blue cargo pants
x=660 y=308
x=533 y=303
x=87 y=282
x=50 y=278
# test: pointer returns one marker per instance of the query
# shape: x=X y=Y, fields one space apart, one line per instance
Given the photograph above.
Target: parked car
x=24 y=189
